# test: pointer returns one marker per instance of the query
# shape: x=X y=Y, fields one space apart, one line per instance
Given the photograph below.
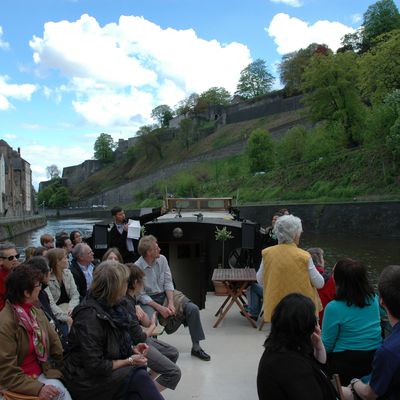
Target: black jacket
x=290 y=375
x=118 y=240
x=94 y=341
x=79 y=279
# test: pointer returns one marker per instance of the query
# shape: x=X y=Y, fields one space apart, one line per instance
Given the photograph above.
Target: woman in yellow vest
x=286 y=269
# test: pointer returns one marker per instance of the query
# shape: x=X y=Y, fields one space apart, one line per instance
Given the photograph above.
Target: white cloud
x=3 y=43
x=121 y=71
x=291 y=34
x=19 y=92
x=356 y=18
x=62 y=156
x=293 y=3
x=10 y=136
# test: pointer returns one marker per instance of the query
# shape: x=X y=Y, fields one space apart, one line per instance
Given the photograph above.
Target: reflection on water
x=54 y=226
x=376 y=253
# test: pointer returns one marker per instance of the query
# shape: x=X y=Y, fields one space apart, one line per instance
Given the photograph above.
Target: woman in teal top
x=351 y=330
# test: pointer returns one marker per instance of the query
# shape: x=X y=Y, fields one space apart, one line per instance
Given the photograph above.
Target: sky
x=72 y=69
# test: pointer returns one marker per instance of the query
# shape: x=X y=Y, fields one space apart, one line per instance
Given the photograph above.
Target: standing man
x=159 y=294
x=82 y=268
x=118 y=235
x=8 y=260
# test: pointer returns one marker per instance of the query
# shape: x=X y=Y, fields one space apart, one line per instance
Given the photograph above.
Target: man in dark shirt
x=118 y=235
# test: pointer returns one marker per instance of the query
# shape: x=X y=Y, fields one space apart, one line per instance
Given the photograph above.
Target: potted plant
x=222 y=235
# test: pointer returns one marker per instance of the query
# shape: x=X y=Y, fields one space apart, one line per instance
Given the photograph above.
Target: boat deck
x=235 y=348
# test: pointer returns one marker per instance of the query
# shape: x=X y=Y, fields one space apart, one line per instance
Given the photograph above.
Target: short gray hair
x=78 y=250
x=6 y=246
x=287 y=228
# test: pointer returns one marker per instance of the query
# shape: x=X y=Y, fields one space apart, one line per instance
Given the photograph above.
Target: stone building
x=16 y=199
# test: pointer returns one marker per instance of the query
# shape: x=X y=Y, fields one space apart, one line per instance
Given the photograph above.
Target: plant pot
x=220 y=288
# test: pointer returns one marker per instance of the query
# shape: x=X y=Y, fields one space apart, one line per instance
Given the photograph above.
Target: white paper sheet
x=133 y=229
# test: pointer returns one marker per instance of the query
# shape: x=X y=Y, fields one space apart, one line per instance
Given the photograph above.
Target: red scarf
x=28 y=318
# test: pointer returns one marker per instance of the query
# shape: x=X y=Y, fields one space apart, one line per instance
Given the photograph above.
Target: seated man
x=385 y=376
x=8 y=260
x=159 y=293
x=82 y=268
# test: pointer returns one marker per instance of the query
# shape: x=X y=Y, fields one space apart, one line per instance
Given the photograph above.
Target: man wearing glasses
x=8 y=260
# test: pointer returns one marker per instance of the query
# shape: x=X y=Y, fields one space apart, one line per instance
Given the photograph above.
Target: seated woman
x=30 y=351
x=351 y=329
x=328 y=291
x=113 y=254
x=62 y=284
x=161 y=356
x=101 y=363
x=291 y=367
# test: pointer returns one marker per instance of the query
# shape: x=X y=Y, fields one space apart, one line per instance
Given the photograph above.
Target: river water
x=375 y=252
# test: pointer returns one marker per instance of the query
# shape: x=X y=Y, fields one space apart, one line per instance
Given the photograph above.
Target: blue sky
x=71 y=69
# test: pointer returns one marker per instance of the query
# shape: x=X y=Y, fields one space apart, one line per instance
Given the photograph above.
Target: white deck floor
x=235 y=348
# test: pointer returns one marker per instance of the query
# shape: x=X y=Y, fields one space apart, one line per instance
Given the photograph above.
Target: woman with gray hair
x=101 y=363
x=285 y=268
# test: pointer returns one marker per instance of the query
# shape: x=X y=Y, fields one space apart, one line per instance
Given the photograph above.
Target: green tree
x=381 y=17
x=60 y=198
x=352 y=42
x=149 y=140
x=293 y=65
x=260 y=151
x=290 y=148
x=162 y=114
x=213 y=96
x=380 y=68
x=255 y=80
x=104 y=147
x=187 y=105
x=331 y=93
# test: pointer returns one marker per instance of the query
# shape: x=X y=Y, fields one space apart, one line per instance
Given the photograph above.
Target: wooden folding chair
x=7 y=395
x=337 y=385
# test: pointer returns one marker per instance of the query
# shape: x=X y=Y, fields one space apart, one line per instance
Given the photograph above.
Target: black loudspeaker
x=248 y=235
x=100 y=237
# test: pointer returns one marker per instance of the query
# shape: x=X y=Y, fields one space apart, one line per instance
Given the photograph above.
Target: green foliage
x=55 y=195
x=380 y=68
x=293 y=65
x=149 y=141
x=132 y=154
x=187 y=105
x=290 y=149
x=380 y=17
x=255 y=80
x=260 y=151
x=332 y=95
x=212 y=96
x=104 y=147
x=319 y=143
x=162 y=114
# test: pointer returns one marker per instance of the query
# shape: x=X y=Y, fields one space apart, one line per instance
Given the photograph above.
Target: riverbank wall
x=10 y=227
x=356 y=218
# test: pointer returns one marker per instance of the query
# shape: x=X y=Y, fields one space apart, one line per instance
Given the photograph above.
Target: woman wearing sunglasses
x=8 y=260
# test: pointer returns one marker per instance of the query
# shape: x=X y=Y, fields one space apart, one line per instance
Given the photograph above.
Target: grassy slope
x=343 y=177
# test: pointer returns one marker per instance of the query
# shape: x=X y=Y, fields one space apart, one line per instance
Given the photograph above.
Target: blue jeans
x=255 y=295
